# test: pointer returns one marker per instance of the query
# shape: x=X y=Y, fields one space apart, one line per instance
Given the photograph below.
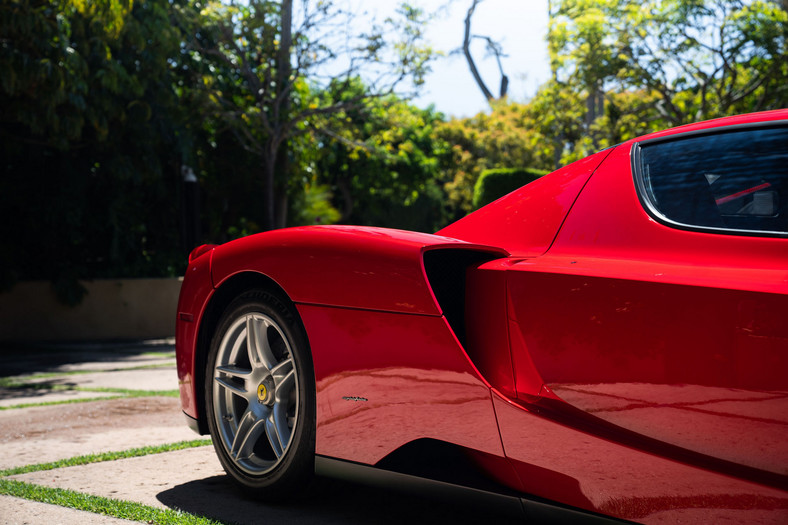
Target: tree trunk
x=595 y=107
x=281 y=207
x=466 y=49
x=269 y=170
x=282 y=171
x=343 y=185
x=558 y=152
x=278 y=165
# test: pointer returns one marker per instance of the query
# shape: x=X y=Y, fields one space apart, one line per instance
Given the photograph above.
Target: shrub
x=495 y=183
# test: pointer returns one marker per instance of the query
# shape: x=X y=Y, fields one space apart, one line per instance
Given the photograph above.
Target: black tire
x=260 y=396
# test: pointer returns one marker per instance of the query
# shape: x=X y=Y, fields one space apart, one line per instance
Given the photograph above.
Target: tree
x=493 y=47
x=271 y=60
x=495 y=183
x=501 y=139
x=381 y=163
x=91 y=132
x=691 y=59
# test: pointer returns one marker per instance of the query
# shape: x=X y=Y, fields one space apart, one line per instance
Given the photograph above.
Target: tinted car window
x=737 y=180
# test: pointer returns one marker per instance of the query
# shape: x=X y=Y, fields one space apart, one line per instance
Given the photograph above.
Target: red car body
x=577 y=346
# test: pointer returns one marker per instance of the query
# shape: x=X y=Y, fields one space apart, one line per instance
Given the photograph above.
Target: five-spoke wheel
x=260 y=395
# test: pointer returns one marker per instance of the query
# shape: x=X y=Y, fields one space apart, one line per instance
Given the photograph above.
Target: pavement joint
x=54 y=433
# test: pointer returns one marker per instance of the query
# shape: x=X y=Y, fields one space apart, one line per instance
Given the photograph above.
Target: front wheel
x=260 y=396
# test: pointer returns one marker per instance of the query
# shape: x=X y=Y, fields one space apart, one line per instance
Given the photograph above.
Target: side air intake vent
x=445 y=270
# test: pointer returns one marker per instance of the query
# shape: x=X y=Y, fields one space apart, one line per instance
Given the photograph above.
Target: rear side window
x=733 y=181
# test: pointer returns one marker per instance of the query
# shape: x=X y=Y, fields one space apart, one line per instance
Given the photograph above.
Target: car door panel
x=687 y=365
x=678 y=336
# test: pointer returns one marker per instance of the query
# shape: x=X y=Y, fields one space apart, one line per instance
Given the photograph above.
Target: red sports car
x=607 y=342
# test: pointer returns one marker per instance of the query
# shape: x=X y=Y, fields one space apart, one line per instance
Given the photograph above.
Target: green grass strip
x=130 y=393
x=61 y=402
x=122 y=393
x=127 y=510
x=167 y=353
x=141 y=367
x=58 y=387
x=105 y=456
x=9 y=382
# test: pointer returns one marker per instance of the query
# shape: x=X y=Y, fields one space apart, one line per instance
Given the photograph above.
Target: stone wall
x=112 y=309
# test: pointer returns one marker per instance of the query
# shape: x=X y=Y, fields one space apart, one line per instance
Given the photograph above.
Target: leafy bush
x=495 y=183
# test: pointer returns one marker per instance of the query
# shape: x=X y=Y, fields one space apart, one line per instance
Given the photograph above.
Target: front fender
x=342 y=266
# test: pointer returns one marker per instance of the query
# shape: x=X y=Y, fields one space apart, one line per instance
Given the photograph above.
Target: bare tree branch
x=466 y=49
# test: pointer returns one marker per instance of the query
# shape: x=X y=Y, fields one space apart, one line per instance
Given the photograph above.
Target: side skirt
x=530 y=510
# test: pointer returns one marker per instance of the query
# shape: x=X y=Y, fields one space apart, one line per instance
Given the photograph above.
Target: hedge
x=495 y=183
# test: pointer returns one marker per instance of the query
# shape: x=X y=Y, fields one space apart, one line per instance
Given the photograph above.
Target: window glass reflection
x=735 y=180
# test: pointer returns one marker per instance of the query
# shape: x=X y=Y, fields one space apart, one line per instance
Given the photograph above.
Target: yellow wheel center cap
x=262 y=392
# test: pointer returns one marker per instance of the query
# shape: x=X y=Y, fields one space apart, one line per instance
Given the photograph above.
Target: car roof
x=734 y=121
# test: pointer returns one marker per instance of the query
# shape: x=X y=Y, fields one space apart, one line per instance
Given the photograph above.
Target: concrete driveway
x=66 y=401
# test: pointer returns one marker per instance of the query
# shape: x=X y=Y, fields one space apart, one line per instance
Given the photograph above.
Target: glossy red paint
x=200 y=250
x=386 y=379
x=635 y=331
x=675 y=335
x=608 y=223
x=609 y=362
x=664 y=360
x=525 y=222
x=561 y=463
x=487 y=331
x=348 y=266
x=196 y=291
x=358 y=268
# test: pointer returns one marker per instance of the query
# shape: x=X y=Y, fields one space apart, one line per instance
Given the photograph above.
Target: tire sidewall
x=297 y=465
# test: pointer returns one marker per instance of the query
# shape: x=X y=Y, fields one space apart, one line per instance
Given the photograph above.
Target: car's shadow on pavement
x=329 y=501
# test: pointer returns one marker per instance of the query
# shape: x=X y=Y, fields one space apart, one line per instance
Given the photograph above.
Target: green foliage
x=500 y=139
x=259 y=70
x=666 y=62
x=495 y=183
x=102 y=102
x=381 y=163
x=313 y=206
x=41 y=74
x=91 y=130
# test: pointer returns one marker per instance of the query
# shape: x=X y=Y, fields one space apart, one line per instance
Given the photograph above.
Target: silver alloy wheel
x=255 y=393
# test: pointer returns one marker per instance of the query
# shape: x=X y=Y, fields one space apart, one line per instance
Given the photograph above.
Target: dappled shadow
x=327 y=501
x=21 y=358
x=27 y=392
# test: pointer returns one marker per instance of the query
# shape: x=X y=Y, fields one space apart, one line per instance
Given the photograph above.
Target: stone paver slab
x=158 y=379
x=48 y=433
x=134 y=361
x=192 y=480
x=16 y=511
x=22 y=396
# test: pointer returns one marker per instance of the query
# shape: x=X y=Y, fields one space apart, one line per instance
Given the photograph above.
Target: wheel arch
x=225 y=293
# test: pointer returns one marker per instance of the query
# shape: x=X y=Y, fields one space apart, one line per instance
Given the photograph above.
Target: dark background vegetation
x=285 y=122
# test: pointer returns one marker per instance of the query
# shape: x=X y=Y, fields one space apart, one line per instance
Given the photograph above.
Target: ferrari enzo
x=609 y=342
